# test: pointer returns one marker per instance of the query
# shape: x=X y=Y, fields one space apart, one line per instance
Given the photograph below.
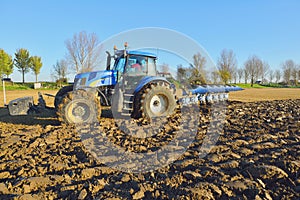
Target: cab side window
x=151 y=67
x=120 y=65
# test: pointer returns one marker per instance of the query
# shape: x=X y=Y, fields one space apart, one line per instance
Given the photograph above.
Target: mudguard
x=147 y=79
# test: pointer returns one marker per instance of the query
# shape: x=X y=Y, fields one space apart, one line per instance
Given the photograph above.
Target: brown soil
x=256 y=157
x=265 y=94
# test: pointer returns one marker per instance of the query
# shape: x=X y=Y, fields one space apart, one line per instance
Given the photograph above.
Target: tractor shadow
x=46 y=117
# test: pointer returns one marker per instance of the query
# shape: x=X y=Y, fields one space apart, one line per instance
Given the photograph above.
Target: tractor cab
x=135 y=64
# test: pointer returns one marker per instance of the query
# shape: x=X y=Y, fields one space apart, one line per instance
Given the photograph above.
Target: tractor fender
x=150 y=79
x=94 y=91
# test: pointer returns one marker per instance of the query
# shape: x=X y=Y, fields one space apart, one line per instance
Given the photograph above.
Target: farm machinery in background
x=132 y=87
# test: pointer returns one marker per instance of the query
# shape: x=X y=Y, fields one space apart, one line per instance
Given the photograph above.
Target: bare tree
x=183 y=74
x=215 y=76
x=277 y=75
x=234 y=76
x=60 y=71
x=294 y=74
x=240 y=73
x=288 y=66
x=226 y=65
x=264 y=71
x=298 y=72
x=254 y=66
x=246 y=74
x=164 y=68
x=198 y=70
x=83 y=52
x=271 y=76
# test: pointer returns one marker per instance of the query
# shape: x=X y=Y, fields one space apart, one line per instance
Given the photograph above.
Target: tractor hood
x=95 y=79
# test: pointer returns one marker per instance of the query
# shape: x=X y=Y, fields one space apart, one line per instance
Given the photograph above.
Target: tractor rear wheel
x=78 y=107
x=61 y=93
x=157 y=100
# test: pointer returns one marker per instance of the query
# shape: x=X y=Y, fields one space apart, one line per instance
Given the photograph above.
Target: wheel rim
x=78 y=112
x=158 y=104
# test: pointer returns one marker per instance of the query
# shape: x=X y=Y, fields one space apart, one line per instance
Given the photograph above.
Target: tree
x=226 y=65
x=83 y=52
x=298 y=71
x=36 y=65
x=277 y=75
x=294 y=74
x=198 y=75
x=22 y=62
x=60 y=71
x=253 y=65
x=6 y=64
x=271 y=76
x=264 y=71
x=240 y=73
x=164 y=68
x=246 y=74
x=288 y=66
x=215 y=76
x=234 y=76
x=182 y=75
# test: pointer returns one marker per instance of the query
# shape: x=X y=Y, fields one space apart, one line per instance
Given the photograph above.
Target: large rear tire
x=79 y=107
x=157 y=100
x=61 y=93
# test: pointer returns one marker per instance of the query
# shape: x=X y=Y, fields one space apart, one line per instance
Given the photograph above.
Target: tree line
x=22 y=61
x=253 y=70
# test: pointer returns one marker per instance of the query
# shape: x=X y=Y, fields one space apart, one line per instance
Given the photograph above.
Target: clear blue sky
x=267 y=28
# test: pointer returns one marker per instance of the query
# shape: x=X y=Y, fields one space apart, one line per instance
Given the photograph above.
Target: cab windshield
x=140 y=66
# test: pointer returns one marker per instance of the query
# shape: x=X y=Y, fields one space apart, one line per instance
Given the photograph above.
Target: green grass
x=28 y=86
x=248 y=85
x=14 y=87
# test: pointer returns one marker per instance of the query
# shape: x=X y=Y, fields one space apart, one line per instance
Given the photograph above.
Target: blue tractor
x=132 y=87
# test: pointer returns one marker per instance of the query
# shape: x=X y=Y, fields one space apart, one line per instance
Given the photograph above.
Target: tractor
x=132 y=87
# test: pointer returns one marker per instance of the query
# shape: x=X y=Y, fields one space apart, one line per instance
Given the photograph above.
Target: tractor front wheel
x=78 y=107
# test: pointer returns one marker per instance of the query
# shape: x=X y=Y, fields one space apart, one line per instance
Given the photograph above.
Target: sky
x=269 y=29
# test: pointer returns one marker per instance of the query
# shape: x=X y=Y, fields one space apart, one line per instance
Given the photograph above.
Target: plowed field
x=257 y=155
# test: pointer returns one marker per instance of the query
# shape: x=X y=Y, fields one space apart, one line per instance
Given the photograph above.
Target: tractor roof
x=139 y=53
